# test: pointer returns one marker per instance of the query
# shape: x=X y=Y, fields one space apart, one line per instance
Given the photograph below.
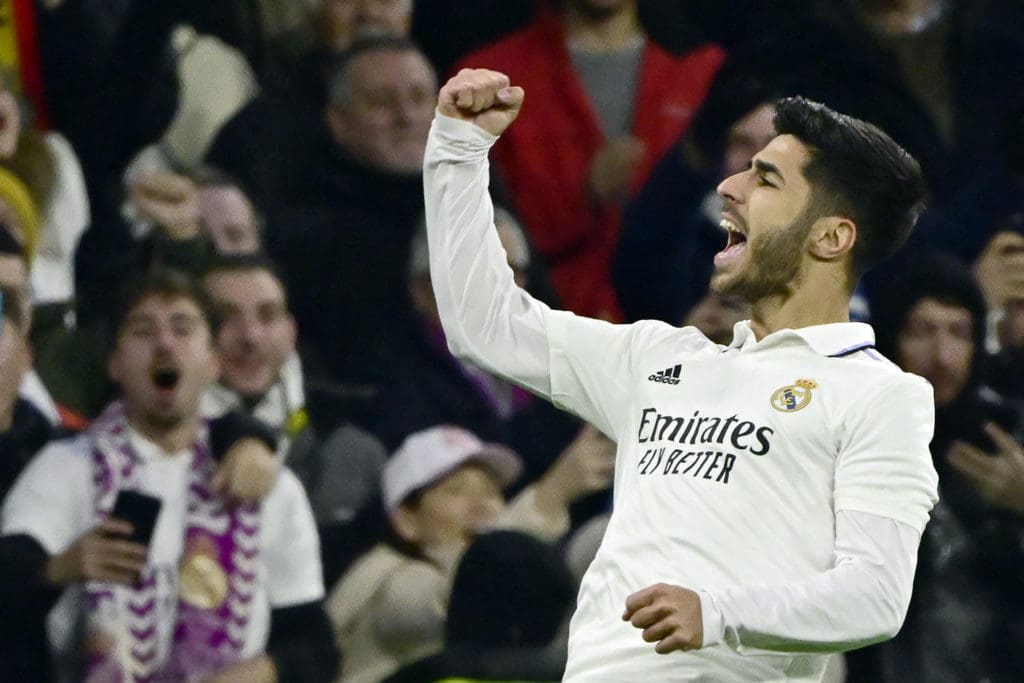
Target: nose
x=948 y=351
x=484 y=510
x=164 y=338
x=250 y=329
x=407 y=108
x=731 y=189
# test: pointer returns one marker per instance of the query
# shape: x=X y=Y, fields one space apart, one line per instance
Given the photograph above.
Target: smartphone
x=141 y=511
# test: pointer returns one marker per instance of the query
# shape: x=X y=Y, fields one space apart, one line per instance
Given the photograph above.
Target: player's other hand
x=669 y=616
x=486 y=98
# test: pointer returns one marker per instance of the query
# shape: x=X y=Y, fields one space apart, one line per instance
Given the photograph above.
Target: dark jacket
x=344 y=253
x=24 y=654
x=965 y=621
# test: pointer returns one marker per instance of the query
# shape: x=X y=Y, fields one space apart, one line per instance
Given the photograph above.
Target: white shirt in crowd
x=786 y=480
x=275 y=408
x=52 y=501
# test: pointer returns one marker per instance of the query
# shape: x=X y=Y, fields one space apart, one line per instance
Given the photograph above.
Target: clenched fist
x=669 y=616
x=486 y=98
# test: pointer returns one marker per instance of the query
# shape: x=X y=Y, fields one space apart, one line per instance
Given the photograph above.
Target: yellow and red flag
x=19 y=54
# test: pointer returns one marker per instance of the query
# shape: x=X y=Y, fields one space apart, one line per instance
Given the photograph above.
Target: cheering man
x=770 y=494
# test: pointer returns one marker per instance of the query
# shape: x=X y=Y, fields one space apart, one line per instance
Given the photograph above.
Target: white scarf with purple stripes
x=162 y=629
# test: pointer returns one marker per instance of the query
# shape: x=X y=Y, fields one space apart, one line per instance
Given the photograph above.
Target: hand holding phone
x=114 y=550
x=139 y=510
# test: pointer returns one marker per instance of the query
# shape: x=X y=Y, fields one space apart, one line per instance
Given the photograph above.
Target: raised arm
x=486 y=317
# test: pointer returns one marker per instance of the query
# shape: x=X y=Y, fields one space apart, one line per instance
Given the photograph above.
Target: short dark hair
x=242 y=263
x=161 y=282
x=927 y=275
x=510 y=590
x=338 y=87
x=858 y=172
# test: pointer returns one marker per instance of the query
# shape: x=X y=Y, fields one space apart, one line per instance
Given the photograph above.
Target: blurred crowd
x=218 y=207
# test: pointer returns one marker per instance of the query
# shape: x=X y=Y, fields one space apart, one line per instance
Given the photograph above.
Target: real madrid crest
x=793 y=397
x=203 y=583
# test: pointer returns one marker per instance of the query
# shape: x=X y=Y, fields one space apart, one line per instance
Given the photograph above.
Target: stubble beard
x=160 y=419
x=773 y=265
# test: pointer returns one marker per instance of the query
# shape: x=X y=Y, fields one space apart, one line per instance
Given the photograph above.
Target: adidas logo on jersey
x=667 y=376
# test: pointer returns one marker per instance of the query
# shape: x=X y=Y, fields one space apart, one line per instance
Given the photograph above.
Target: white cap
x=428 y=456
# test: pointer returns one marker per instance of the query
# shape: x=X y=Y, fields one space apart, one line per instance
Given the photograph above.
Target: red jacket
x=544 y=159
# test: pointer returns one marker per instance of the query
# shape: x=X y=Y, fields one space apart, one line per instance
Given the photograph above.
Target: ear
x=114 y=367
x=293 y=332
x=335 y=121
x=832 y=237
x=212 y=360
x=27 y=358
x=214 y=366
x=422 y=292
x=406 y=523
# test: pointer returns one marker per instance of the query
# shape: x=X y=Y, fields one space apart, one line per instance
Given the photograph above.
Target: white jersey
x=53 y=501
x=731 y=464
x=786 y=480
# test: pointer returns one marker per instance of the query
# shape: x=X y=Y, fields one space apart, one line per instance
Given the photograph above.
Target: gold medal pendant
x=202 y=582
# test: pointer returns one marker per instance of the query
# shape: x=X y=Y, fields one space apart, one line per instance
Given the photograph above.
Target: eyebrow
x=137 y=318
x=189 y=318
x=765 y=168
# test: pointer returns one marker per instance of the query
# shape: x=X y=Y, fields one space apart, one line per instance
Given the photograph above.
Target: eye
x=763 y=181
x=184 y=329
x=140 y=331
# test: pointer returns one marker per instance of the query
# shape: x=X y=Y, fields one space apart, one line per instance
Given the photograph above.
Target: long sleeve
x=23 y=586
x=486 y=317
x=25 y=601
x=861 y=600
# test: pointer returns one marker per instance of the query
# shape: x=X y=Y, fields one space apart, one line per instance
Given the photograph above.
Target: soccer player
x=770 y=494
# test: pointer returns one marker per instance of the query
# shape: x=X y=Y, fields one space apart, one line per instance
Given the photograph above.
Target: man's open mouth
x=735 y=235
x=735 y=245
x=166 y=378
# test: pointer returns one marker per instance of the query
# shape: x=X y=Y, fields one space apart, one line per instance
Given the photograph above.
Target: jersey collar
x=828 y=340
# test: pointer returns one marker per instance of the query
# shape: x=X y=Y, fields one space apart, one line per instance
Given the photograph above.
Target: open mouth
x=735 y=245
x=736 y=236
x=166 y=378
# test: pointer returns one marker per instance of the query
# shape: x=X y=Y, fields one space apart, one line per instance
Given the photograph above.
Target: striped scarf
x=181 y=625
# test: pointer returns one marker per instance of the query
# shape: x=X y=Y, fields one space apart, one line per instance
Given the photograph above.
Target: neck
x=170 y=438
x=810 y=304
x=7 y=420
x=616 y=30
